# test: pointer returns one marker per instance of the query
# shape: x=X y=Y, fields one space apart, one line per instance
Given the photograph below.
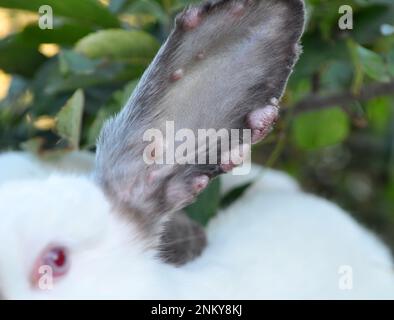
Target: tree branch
x=316 y=102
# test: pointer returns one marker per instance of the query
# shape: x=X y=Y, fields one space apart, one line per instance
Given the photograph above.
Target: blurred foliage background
x=336 y=134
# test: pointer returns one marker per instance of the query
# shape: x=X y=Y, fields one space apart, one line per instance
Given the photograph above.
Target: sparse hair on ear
x=222 y=61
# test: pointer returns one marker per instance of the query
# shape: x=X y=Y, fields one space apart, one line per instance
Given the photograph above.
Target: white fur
x=275 y=242
x=18 y=165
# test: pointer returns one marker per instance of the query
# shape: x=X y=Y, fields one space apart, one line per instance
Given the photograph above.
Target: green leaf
x=149 y=7
x=17 y=56
x=369 y=19
x=116 y=6
x=18 y=87
x=34 y=145
x=69 y=119
x=109 y=75
x=337 y=75
x=372 y=64
x=389 y=193
x=86 y=11
x=234 y=194
x=53 y=79
x=378 y=113
x=391 y=62
x=119 y=44
x=316 y=54
x=317 y=129
x=75 y=63
x=64 y=32
x=207 y=204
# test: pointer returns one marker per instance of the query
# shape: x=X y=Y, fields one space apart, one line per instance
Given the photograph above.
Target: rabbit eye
x=54 y=263
x=57 y=259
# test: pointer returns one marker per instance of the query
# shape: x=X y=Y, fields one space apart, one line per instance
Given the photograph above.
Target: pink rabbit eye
x=53 y=262
x=57 y=259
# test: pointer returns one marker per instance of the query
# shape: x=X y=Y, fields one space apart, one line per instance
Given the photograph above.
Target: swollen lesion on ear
x=223 y=60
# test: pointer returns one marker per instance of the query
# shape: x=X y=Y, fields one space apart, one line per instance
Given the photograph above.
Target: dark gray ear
x=222 y=61
x=182 y=240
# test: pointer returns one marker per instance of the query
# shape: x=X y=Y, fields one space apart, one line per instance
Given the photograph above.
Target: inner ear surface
x=222 y=61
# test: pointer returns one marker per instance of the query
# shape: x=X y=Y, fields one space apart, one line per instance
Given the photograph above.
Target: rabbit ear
x=182 y=240
x=223 y=62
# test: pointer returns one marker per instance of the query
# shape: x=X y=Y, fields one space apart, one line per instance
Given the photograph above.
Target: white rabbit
x=274 y=242
x=99 y=236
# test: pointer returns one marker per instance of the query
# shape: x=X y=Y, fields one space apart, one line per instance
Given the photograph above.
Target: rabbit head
x=59 y=239
x=224 y=66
